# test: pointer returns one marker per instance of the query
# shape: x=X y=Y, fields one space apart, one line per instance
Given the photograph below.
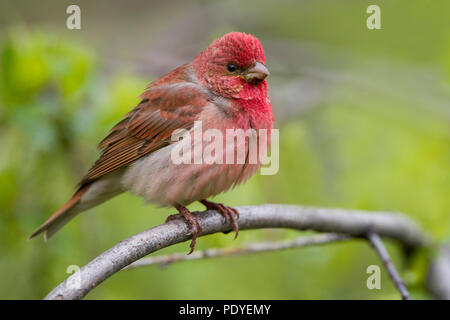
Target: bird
x=224 y=87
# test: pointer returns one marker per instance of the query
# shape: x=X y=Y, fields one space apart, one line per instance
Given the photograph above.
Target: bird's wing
x=170 y=103
x=149 y=126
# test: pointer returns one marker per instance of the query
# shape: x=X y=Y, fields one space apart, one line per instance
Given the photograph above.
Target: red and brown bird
x=224 y=87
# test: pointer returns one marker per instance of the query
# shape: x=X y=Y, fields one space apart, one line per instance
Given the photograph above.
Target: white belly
x=159 y=180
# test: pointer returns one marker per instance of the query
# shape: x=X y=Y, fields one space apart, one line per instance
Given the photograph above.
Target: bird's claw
x=194 y=226
x=226 y=212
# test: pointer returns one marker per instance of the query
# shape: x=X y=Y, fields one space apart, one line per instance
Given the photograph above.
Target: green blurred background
x=364 y=118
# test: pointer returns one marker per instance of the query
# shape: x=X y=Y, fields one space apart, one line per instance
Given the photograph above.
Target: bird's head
x=233 y=66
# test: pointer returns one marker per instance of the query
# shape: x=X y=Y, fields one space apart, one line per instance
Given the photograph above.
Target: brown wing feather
x=149 y=126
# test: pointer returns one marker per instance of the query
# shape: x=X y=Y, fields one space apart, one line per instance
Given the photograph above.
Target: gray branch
x=381 y=250
x=438 y=277
x=353 y=223
x=299 y=242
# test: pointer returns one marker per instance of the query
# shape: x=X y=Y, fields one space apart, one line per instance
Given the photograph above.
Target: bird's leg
x=225 y=211
x=191 y=219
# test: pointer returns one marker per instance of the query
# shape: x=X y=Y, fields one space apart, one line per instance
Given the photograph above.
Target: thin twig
x=298 y=242
x=379 y=247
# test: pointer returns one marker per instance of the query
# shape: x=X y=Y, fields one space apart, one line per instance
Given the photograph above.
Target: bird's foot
x=225 y=211
x=191 y=219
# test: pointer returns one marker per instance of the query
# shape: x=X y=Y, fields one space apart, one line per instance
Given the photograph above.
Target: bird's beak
x=257 y=73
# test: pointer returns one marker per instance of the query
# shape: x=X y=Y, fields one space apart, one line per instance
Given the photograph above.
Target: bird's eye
x=231 y=67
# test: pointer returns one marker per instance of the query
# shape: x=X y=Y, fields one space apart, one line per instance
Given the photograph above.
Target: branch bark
x=381 y=250
x=354 y=223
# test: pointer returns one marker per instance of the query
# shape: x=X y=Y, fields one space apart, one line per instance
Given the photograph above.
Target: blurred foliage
x=355 y=150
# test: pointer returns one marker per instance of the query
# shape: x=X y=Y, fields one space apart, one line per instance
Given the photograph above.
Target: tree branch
x=379 y=247
x=298 y=242
x=353 y=223
x=438 y=276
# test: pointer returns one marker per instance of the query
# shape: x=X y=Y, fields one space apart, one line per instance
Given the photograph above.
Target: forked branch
x=350 y=222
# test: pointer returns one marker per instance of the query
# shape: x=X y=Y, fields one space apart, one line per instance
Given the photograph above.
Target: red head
x=234 y=66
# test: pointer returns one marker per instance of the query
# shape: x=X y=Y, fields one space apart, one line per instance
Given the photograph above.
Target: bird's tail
x=62 y=216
